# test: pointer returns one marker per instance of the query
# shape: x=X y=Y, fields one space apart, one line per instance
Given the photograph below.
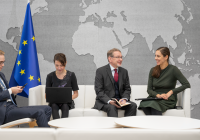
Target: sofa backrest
x=90 y=96
x=43 y=95
x=79 y=101
x=87 y=95
x=138 y=91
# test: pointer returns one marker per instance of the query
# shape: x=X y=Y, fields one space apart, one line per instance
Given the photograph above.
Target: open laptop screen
x=59 y=94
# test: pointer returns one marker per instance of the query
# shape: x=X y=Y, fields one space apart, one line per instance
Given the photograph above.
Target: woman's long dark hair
x=164 y=51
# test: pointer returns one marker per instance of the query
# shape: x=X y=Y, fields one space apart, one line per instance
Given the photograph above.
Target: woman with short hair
x=62 y=78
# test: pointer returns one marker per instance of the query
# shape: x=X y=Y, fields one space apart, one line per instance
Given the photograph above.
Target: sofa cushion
x=94 y=112
x=174 y=112
x=99 y=113
x=77 y=112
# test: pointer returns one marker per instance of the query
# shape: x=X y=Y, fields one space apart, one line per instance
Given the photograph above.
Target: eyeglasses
x=117 y=57
x=2 y=62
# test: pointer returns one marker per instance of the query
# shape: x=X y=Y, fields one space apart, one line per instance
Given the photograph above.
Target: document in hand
x=127 y=103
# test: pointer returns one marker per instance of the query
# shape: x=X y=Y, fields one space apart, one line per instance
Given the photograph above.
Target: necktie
x=116 y=75
x=4 y=88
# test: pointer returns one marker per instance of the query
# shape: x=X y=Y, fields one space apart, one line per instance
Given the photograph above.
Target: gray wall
x=86 y=30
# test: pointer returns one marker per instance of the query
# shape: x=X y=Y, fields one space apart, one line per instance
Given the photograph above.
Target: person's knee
x=54 y=105
x=133 y=105
x=48 y=109
x=65 y=106
x=112 y=107
x=40 y=111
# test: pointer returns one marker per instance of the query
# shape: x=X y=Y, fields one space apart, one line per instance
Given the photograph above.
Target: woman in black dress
x=62 y=78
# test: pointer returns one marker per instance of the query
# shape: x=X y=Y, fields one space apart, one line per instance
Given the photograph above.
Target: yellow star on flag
x=20 y=52
x=19 y=62
x=38 y=79
x=24 y=42
x=31 y=78
x=22 y=72
x=33 y=38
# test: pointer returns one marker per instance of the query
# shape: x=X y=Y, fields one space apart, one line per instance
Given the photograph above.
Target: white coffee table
x=84 y=123
x=158 y=122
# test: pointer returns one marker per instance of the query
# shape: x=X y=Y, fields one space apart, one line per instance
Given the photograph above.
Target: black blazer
x=4 y=95
x=104 y=85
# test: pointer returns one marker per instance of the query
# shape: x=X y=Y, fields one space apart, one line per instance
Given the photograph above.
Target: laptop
x=59 y=94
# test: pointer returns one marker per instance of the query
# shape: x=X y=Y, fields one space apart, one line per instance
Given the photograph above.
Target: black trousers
x=42 y=114
x=151 y=111
x=112 y=111
x=64 y=109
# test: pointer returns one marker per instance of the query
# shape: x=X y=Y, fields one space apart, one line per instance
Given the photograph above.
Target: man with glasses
x=112 y=81
x=8 y=106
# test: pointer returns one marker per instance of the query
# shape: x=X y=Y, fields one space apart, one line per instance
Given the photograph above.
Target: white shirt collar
x=112 y=68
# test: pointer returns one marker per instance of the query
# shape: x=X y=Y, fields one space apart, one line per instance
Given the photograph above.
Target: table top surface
x=158 y=122
x=84 y=122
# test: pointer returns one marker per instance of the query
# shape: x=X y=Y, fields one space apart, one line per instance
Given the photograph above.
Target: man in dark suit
x=112 y=81
x=8 y=107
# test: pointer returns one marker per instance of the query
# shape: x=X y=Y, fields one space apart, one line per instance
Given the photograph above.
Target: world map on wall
x=86 y=29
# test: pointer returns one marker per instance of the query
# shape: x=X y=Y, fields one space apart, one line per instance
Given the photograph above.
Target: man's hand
x=122 y=101
x=19 y=86
x=114 y=103
x=16 y=90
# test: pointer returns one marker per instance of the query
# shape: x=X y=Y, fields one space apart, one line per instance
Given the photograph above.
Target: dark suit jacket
x=104 y=85
x=4 y=95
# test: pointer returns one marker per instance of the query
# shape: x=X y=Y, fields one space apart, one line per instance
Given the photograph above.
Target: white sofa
x=87 y=95
x=97 y=134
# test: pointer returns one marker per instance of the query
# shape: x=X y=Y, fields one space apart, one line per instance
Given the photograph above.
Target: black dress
x=68 y=81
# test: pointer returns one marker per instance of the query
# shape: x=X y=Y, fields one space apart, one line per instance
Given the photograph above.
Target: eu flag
x=26 y=68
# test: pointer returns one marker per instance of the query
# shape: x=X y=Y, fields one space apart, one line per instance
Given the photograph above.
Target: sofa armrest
x=35 y=96
x=186 y=102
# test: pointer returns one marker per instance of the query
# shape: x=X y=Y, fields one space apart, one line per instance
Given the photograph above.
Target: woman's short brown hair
x=2 y=52
x=61 y=58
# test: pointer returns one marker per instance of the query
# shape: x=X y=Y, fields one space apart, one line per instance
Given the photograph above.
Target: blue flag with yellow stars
x=26 y=68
